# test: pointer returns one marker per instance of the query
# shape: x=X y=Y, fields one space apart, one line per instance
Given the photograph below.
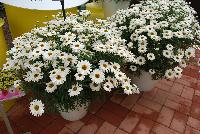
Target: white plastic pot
x=77 y=114
x=111 y=6
x=144 y=81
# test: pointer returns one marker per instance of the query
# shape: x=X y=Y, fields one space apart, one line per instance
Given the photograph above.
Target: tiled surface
x=172 y=107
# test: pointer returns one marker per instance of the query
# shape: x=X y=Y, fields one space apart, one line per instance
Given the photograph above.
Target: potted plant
x=68 y=63
x=9 y=88
x=162 y=34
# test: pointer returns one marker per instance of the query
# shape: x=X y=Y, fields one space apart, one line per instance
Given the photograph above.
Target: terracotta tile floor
x=172 y=107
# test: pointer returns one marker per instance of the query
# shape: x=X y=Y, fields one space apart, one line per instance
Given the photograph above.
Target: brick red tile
x=188 y=93
x=150 y=104
x=145 y=112
x=161 y=129
x=167 y=82
x=190 y=130
x=75 y=126
x=165 y=116
x=196 y=99
x=91 y=126
x=195 y=110
x=106 y=128
x=197 y=93
x=163 y=86
x=130 y=122
x=87 y=117
x=144 y=127
x=178 y=107
x=55 y=127
x=117 y=98
x=189 y=79
x=184 y=109
x=184 y=82
x=18 y=110
x=161 y=97
x=177 y=89
x=28 y=125
x=192 y=122
x=193 y=73
x=95 y=106
x=116 y=109
x=150 y=95
x=109 y=117
x=179 y=122
x=119 y=131
x=66 y=130
x=130 y=101
x=180 y=100
x=15 y=127
x=43 y=120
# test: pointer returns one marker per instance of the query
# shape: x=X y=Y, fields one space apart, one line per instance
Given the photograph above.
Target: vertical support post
x=63 y=8
x=5 y=118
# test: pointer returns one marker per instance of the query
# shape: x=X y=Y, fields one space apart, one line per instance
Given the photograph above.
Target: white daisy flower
x=84 y=67
x=75 y=90
x=49 y=55
x=36 y=108
x=108 y=86
x=51 y=87
x=141 y=60
x=112 y=80
x=120 y=75
x=169 y=74
x=183 y=64
x=95 y=87
x=190 y=52
x=130 y=44
x=178 y=69
x=167 y=53
x=177 y=75
x=17 y=83
x=97 y=76
x=150 y=56
x=77 y=46
x=36 y=76
x=69 y=58
x=79 y=76
x=114 y=67
x=152 y=71
x=57 y=76
x=169 y=47
x=177 y=58
x=142 y=49
x=104 y=66
x=133 y=68
x=168 y=34
x=130 y=89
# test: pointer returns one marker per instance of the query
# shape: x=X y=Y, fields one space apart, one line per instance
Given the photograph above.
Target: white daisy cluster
x=161 y=33
x=73 y=55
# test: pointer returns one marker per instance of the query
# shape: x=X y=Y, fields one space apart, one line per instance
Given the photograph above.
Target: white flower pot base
x=144 y=81
x=77 y=114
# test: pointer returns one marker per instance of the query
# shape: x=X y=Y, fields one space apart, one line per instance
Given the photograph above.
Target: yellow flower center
x=84 y=67
x=97 y=75
x=36 y=107
x=58 y=77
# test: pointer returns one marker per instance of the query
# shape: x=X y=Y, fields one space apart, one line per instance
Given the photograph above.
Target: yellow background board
x=23 y=20
x=3 y=49
x=96 y=10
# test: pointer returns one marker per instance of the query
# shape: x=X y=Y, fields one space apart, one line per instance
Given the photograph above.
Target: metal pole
x=5 y=118
x=63 y=8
